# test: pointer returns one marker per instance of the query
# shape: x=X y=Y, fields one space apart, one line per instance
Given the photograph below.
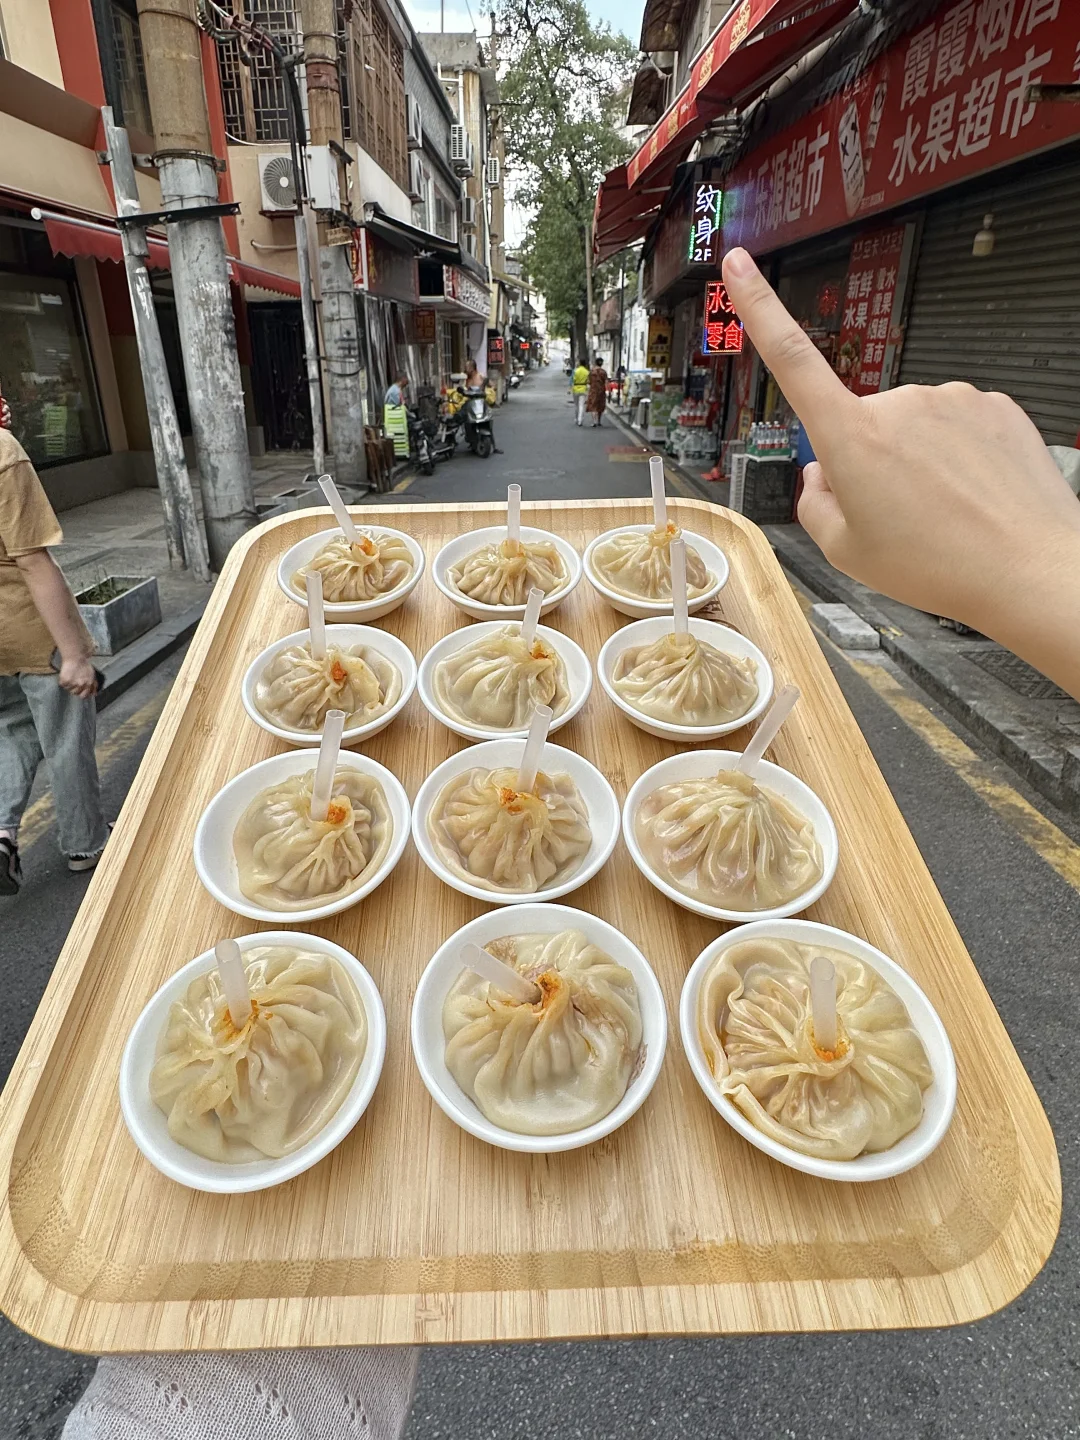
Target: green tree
x=563 y=86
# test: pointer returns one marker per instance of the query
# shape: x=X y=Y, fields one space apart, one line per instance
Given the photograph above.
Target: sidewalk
x=124 y=535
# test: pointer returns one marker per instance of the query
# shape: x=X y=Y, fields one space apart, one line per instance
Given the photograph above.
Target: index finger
x=813 y=389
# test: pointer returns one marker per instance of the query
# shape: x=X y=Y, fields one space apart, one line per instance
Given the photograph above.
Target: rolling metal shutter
x=1011 y=320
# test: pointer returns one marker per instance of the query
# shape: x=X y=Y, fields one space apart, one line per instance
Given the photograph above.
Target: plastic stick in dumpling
x=295 y=691
x=354 y=572
x=755 y=1023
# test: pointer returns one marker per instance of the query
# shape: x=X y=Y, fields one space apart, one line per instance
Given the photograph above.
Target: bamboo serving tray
x=412 y=1231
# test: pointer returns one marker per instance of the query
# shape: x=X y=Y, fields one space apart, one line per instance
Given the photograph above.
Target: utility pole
x=588 y=292
x=341 y=338
x=188 y=174
x=183 y=534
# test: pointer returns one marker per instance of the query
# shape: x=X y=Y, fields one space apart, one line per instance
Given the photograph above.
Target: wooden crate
x=412 y=1231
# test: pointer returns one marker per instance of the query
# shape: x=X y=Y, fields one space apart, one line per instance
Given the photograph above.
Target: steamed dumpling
x=267 y=1089
x=682 y=680
x=287 y=861
x=501 y=838
x=726 y=841
x=637 y=563
x=504 y=574
x=554 y=1066
x=755 y=1023
x=295 y=690
x=375 y=565
x=498 y=681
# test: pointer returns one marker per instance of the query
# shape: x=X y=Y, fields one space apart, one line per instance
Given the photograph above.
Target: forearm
x=55 y=604
x=1037 y=615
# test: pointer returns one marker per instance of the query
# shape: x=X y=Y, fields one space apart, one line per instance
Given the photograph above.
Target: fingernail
x=739 y=263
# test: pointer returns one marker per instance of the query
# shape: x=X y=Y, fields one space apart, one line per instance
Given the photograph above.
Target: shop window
x=445 y=217
x=253 y=93
x=376 y=65
x=123 y=70
x=45 y=371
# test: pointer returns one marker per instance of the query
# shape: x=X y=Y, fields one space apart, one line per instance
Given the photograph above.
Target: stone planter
x=116 y=622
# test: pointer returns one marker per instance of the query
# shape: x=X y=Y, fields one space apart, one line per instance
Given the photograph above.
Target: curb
x=146 y=653
x=655 y=448
x=1053 y=770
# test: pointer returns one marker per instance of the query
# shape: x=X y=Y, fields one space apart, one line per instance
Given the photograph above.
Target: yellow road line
x=1041 y=834
x=403 y=485
x=42 y=813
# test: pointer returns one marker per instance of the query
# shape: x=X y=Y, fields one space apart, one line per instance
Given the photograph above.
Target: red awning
x=750 y=49
x=69 y=236
x=102 y=242
x=620 y=216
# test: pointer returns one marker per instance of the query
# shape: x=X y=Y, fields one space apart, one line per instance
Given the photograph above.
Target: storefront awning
x=70 y=236
x=409 y=237
x=620 y=217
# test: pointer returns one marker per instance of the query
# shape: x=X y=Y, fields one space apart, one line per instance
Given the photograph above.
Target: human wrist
x=1037 y=609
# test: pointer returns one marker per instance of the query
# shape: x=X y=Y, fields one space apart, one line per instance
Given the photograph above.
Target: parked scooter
x=478 y=429
x=440 y=433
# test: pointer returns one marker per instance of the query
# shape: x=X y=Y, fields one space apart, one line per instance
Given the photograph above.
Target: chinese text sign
x=722 y=333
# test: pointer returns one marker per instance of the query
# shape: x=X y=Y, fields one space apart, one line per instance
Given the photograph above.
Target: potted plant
x=118 y=609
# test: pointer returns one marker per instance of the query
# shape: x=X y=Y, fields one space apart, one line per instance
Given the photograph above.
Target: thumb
x=819 y=510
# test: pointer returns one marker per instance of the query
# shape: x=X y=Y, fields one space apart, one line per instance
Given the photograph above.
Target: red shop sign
x=869 y=297
x=944 y=102
x=722 y=333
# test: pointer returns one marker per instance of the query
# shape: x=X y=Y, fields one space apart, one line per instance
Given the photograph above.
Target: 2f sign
x=704 y=248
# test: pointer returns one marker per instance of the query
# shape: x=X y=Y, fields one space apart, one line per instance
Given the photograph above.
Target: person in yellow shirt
x=47 y=679
x=579 y=384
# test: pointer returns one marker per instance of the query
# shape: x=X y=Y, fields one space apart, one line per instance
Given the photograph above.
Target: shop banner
x=459 y=286
x=383 y=270
x=420 y=327
x=870 y=295
x=496 y=352
x=944 y=102
x=722 y=331
x=659 y=356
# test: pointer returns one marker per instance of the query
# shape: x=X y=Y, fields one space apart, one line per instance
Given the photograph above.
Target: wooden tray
x=412 y=1231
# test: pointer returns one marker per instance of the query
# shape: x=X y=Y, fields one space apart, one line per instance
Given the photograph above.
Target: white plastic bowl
x=579 y=676
x=216 y=862
x=464 y=544
x=429 y=1042
x=693 y=764
x=599 y=797
x=643 y=632
x=939 y=1100
x=716 y=563
x=148 y=1125
x=344 y=636
x=303 y=551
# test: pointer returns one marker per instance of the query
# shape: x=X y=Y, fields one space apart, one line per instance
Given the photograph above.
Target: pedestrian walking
x=579 y=385
x=596 y=403
x=47 y=680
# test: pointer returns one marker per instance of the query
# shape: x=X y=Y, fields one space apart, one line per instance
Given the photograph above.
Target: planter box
x=118 y=622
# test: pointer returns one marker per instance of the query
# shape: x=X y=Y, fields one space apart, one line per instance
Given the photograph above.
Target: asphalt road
x=1014 y=1375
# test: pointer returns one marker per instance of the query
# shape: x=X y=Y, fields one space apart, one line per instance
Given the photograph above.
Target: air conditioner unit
x=461 y=150
x=278 y=181
x=493 y=170
x=416 y=123
x=468 y=212
x=322 y=176
x=416 y=177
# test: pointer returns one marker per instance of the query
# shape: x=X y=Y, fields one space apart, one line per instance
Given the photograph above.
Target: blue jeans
x=39 y=721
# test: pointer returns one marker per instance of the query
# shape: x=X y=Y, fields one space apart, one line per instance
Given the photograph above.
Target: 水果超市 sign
x=946 y=101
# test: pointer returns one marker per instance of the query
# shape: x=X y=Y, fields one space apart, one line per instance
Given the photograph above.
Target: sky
x=465 y=15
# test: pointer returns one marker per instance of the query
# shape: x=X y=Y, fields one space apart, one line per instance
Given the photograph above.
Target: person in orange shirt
x=47 y=680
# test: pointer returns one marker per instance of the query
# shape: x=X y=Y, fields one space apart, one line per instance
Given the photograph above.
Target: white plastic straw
x=513 y=517
x=334 y=500
x=534 y=748
x=532 y=615
x=316 y=615
x=659 y=497
x=326 y=766
x=768 y=730
x=678 y=588
x=823 y=1002
x=498 y=973
x=230 y=966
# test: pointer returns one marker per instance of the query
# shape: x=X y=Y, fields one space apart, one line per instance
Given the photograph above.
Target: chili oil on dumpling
x=683 y=680
x=502 y=839
x=505 y=572
x=553 y=1066
x=288 y=861
x=726 y=841
x=497 y=682
x=295 y=690
x=755 y=1024
x=356 y=572
x=267 y=1089
x=637 y=564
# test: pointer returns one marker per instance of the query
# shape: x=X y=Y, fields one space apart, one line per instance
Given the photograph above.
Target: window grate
x=254 y=96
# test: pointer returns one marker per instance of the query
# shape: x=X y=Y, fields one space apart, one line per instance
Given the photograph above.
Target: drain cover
x=1017 y=674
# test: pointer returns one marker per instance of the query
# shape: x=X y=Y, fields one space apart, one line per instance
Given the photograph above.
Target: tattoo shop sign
x=946 y=101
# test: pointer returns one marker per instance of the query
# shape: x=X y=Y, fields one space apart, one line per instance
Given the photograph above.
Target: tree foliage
x=563 y=86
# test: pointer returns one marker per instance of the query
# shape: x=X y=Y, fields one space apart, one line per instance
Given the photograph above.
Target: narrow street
x=1008 y=886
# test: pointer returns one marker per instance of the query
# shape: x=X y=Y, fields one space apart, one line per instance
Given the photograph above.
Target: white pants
x=579 y=401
